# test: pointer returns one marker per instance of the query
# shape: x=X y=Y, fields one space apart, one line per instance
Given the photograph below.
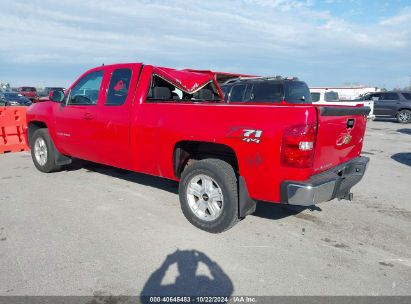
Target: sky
x=323 y=42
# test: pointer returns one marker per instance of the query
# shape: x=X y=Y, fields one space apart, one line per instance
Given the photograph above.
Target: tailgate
x=340 y=135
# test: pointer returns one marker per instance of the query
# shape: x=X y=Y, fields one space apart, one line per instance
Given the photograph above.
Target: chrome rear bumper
x=333 y=183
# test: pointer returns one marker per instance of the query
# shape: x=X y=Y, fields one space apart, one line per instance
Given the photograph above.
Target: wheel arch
x=402 y=109
x=33 y=126
x=196 y=150
x=185 y=151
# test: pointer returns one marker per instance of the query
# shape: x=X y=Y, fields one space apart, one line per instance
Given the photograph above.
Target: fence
x=12 y=129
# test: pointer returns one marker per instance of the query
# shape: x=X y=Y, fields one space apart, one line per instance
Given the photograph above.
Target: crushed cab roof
x=186 y=80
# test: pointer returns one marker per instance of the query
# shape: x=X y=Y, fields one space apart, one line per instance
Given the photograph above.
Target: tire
x=404 y=116
x=208 y=195
x=43 y=151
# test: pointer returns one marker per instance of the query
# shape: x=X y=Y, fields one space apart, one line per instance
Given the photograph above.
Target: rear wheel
x=404 y=116
x=208 y=195
x=43 y=151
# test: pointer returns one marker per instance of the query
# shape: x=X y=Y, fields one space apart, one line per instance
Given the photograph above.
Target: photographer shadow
x=189 y=281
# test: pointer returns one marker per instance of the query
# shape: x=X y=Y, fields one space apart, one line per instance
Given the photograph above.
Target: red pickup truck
x=28 y=92
x=175 y=124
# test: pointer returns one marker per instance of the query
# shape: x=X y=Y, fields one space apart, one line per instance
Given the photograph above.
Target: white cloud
x=255 y=36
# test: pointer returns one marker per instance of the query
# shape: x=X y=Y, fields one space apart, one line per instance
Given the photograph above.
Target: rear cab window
x=119 y=87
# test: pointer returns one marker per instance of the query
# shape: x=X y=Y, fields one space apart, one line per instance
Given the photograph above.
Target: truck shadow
x=274 y=211
x=187 y=273
x=264 y=210
x=403 y=158
x=130 y=176
x=405 y=131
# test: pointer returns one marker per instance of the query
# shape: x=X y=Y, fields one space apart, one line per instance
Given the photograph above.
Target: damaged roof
x=186 y=80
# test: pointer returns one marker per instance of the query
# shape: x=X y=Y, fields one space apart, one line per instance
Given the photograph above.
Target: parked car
x=266 y=89
x=46 y=91
x=329 y=97
x=44 y=95
x=176 y=125
x=13 y=99
x=29 y=92
x=393 y=104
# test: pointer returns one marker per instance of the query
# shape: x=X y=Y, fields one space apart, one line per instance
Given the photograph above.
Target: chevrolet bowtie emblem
x=344 y=140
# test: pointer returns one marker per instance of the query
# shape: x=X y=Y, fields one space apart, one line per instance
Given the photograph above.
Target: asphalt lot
x=96 y=230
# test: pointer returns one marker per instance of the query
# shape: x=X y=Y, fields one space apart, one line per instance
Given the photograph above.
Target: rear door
x=112 y=143
x=340 y=135
x=390 y=103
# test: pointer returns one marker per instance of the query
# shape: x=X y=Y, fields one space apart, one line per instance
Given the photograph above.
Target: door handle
x=88 y=116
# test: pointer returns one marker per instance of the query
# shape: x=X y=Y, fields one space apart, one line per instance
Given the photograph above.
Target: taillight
x=297 y=149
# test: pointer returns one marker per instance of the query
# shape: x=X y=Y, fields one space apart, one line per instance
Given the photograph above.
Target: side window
x=248 y=95
x=315 y=96
x=269 y=92
x=224 y=89
x=85 y=92
x=407 y=96
x=118 y=87
x=237 y=93
x=331 y=96
x=390 y=96
x=376 y=96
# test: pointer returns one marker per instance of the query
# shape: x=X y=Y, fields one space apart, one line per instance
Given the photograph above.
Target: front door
x=376 y=97
x=76 y=118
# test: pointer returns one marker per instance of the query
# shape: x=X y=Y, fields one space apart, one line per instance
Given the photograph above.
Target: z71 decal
x=247 y=135
x=252 y=135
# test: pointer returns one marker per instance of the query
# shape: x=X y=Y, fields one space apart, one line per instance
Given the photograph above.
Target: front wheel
x=208 y=195
x=43 y=152
x=404 y=116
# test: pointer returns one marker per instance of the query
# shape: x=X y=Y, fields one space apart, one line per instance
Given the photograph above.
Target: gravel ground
x=96 y=230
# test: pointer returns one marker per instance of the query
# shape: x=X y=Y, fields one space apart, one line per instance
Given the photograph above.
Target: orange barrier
x=12 y=127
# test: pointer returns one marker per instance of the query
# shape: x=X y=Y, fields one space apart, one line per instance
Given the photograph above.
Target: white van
x=329 y=97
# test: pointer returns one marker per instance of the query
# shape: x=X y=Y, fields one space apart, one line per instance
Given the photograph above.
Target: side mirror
x=56 y=96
